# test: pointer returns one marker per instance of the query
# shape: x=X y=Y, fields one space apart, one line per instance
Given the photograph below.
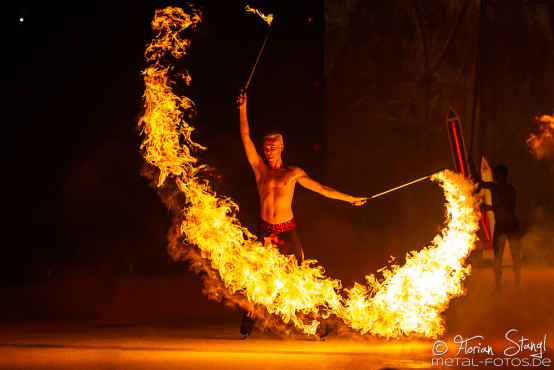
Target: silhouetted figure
x=506 y=226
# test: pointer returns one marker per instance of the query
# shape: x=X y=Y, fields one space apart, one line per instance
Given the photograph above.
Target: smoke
x=541 y=143
x=537 y=241
x=538 y=238
x=529 y=310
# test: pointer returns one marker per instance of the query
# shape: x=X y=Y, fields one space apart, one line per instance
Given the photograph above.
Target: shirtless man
x=275 y=182
x=506 y=226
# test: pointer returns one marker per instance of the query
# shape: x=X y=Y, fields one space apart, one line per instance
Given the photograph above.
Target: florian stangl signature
x=472 y=346
x=537 y=349
x=476 y=345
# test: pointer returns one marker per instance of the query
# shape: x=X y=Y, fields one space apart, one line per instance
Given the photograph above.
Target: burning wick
x=267 y=18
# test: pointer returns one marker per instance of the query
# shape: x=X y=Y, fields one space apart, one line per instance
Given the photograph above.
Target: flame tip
x=267 y=18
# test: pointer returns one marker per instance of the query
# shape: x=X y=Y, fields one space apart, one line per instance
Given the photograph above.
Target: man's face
x=272 y=149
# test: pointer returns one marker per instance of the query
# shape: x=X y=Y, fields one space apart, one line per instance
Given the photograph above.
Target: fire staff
x=275 y=181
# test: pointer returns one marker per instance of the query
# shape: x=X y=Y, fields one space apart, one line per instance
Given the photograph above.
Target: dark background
x=393 y=69
x=358 y=89
x=74 y=200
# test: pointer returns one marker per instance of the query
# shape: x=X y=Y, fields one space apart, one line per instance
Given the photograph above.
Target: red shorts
x=284 y=236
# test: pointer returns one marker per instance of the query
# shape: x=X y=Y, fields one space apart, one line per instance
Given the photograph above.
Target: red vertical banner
x=486 y=175
x=457 y=145
x=459 y=155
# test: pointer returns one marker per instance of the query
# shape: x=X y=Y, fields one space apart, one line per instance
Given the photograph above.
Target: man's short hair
x=274 y=136
x=501 y=170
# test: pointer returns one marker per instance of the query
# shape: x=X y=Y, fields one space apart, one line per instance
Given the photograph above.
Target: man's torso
x=503 y=202
x=276 y=190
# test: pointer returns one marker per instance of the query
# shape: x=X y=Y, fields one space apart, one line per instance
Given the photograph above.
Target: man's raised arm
x=249 y=147
x=309 y=183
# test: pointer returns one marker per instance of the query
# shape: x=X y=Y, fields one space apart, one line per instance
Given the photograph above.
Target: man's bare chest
x=277 y=178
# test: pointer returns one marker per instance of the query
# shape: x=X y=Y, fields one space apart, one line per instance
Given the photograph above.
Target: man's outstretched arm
x=249 y=147
x=309 y=183
x=475 y=175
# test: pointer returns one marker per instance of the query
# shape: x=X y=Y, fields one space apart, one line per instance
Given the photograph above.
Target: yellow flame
x=409 y=300
x=166 y=24
x=267 y=18
x=541 y=144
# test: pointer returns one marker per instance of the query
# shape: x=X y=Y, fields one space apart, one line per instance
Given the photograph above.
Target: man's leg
x=288 y=243
x=247 y=323
x=291 y=244
x=515 y=249
x=498 y=246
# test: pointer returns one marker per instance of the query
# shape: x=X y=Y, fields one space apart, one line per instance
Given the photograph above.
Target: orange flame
x=267 y=18
x=166 y=24
x=542 y=144
x=411 y=298
x=408 y=301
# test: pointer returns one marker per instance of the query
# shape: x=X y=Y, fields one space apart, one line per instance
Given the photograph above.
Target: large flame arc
x=409 y=300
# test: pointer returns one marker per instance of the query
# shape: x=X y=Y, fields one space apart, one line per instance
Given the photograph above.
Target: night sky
x=74 y=199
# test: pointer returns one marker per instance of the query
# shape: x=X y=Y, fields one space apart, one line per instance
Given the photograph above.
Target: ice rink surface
x=207 y=337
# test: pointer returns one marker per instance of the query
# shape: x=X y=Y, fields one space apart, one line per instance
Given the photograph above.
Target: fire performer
x=276 y=181
x=506 y=226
